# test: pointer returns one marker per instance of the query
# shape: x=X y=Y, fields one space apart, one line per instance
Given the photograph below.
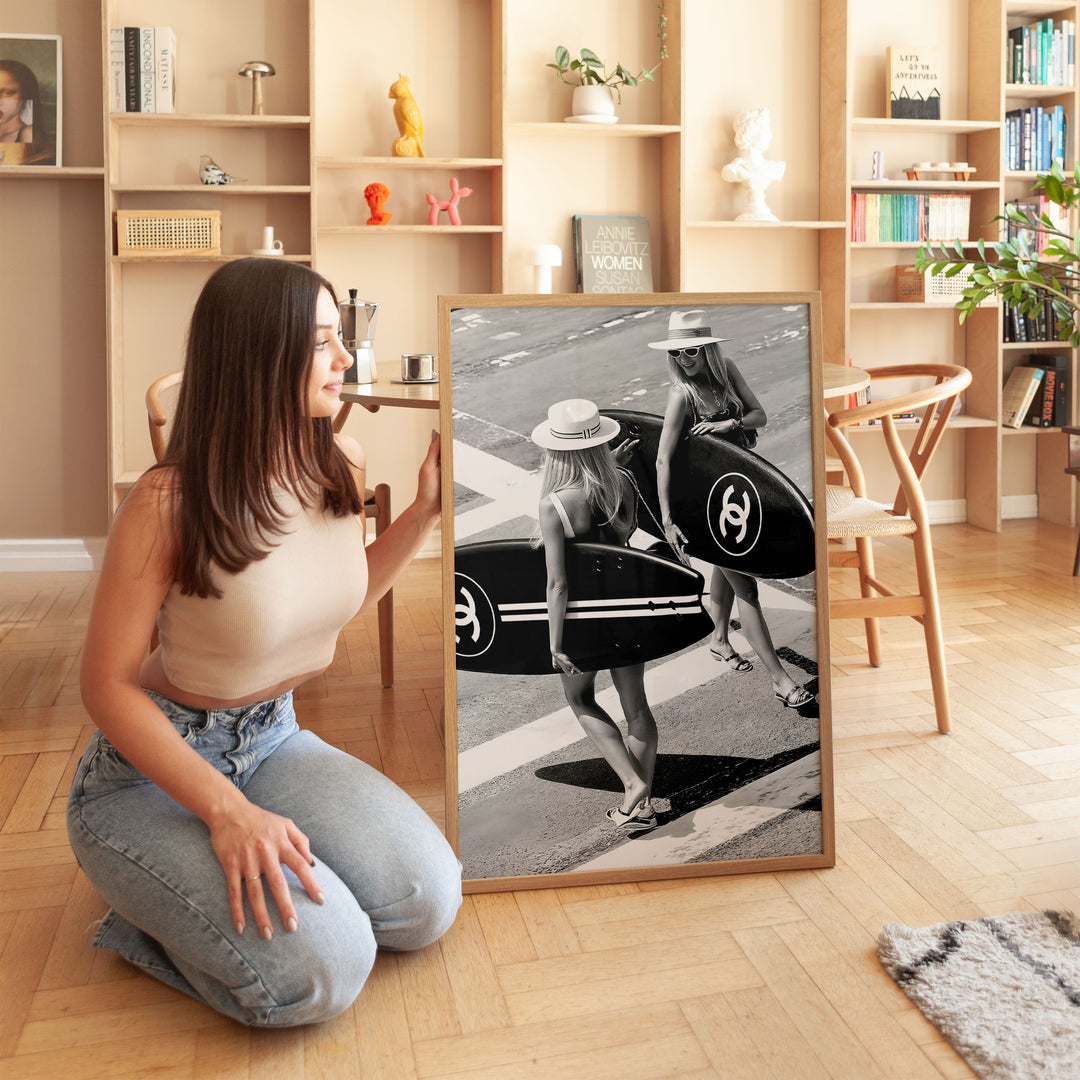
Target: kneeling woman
x=246 y=862
x=584 y=497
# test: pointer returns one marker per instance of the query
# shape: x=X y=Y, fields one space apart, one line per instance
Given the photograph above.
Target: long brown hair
x=242 y=427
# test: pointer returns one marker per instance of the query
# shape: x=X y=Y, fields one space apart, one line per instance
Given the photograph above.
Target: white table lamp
x=544 y=257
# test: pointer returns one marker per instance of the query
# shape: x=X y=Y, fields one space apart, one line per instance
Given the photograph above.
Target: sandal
x=733 y=661
x=797 y=697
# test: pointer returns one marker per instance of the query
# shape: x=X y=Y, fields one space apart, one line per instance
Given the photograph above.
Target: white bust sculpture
x=752 y=170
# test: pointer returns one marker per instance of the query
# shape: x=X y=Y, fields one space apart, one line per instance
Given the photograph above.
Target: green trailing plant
x=589 y=70
x=1018 y=272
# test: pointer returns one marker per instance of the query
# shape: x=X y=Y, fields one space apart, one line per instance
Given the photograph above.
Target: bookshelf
x=991 y=466
x=493 y=118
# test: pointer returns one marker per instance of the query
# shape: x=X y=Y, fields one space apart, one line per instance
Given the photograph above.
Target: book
x=913 y=91
x=612 y=254
x=1048 y=408
x=1019 y=391
x=131 y=69
x=165 y=69
x=147 y=74
x=117 y=81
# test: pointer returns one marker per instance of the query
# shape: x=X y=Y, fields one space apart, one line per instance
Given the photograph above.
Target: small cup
x=418 y=367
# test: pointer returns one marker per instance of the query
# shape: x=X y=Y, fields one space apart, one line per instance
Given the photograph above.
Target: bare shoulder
x=143 y=532
x=352 y=450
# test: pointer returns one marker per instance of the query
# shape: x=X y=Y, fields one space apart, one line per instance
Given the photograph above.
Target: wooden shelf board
x=417 y=164
x=766 y=224
x=859 y=245
x=883 y=125
x=52 y=172
x=904 y=186
x=596 y=130
x=207 y=120
x=1037 y=7
x=1027 y=429
x=200 y=258
x=368 y=230
x=1027 y=91
x=901 y=305
x=1036 y=345
x=954 y=424
x=212 y=189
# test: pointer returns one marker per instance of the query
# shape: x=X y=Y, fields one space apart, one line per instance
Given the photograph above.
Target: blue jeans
x=390 y=878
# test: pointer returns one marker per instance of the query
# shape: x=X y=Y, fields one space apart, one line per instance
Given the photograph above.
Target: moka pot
x=357 y=333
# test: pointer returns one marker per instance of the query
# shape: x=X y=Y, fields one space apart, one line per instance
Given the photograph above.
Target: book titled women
x=612 y=254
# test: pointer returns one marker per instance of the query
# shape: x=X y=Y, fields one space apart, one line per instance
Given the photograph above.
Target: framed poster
x=634 y=571
x=30 y=99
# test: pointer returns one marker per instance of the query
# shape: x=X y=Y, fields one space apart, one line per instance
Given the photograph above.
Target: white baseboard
x=60 y=554
x=947 y=511
x=1019 y=506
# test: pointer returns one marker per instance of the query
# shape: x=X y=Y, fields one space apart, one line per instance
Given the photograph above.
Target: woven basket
x=168 y=232
x=914 y=286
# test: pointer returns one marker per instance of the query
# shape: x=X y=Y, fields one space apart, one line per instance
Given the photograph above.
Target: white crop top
x=276 y=619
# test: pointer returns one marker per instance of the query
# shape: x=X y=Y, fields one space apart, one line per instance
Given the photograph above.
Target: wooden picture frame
x=741 y=782
x=31 y=65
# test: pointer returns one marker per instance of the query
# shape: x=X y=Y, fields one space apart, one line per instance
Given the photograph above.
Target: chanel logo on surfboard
x=734 y=514
x=474 y=617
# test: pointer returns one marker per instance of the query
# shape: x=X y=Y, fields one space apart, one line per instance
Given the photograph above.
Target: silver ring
x=249 y=880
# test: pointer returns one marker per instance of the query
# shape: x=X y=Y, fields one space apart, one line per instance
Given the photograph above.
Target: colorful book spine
x=1018 y=394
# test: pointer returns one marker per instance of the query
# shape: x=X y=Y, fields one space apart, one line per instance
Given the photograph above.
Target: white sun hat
x=573 y=425
x=686 y=329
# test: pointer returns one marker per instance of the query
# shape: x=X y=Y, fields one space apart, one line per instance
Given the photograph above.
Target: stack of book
x=1035 y=138
x=142 y=69
x=891 y=217
x=1042 y=53
x=1049 y=406
x=1038 y=324
x=1036 y=208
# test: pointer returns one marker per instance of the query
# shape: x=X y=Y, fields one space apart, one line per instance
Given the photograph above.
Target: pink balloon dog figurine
x=450 y=205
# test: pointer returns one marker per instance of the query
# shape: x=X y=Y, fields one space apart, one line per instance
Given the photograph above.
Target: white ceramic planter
x=594 y=103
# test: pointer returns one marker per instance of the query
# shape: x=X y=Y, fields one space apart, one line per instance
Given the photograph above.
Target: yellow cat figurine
x=407 y=116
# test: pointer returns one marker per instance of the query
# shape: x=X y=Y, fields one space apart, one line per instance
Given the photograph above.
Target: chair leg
x=1076 y=561
x=935 y=639
x=866 y=570
x=386 y=604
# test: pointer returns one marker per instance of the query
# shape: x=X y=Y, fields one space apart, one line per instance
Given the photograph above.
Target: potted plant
x=594 y=84
x=1020 y=272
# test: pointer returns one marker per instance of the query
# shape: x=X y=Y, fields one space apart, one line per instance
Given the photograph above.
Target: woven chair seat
x=849 y=516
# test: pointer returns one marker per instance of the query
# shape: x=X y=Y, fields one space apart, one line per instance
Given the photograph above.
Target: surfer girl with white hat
x=709 y=395
x=585 y=497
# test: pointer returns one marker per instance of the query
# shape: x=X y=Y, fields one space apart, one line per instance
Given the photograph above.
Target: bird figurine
x=210 y=172
x=407 y=118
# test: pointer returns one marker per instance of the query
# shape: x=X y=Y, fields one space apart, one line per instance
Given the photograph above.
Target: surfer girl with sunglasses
x=709 y=396
x=586 y=497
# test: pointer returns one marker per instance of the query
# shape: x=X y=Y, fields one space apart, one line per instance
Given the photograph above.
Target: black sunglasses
x=689 y=353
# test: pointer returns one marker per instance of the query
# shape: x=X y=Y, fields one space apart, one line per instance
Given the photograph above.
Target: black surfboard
x=625 y=606
x=736 y=509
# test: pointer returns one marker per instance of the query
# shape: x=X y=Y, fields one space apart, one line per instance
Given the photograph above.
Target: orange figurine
x=407 y=117
x=376 y=195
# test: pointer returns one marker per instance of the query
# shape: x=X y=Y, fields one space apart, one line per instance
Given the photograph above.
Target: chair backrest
x=160 y=404
x=937 y=402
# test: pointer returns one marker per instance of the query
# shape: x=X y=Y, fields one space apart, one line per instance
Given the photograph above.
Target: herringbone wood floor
x=756 y=976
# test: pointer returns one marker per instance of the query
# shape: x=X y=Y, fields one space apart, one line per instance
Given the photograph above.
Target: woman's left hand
x=429 y=485
x=624 y=452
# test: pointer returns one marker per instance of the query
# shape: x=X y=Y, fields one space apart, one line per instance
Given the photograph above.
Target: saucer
x=591 y=118
x=268 y=251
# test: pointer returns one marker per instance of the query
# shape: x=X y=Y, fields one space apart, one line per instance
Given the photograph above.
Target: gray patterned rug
x=1004 y=991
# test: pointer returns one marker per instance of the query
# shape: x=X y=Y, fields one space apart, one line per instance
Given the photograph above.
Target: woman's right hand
x=674 y=536
x=252 y=844
x=561 y=662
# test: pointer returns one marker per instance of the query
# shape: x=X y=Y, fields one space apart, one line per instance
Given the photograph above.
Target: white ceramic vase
x=593 y=101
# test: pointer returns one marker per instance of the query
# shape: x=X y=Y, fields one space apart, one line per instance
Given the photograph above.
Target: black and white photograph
x=30 y=99
x=635 y=689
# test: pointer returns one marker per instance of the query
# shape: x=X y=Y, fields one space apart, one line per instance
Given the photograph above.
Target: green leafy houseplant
x=589 y=70
x=1018 y=274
